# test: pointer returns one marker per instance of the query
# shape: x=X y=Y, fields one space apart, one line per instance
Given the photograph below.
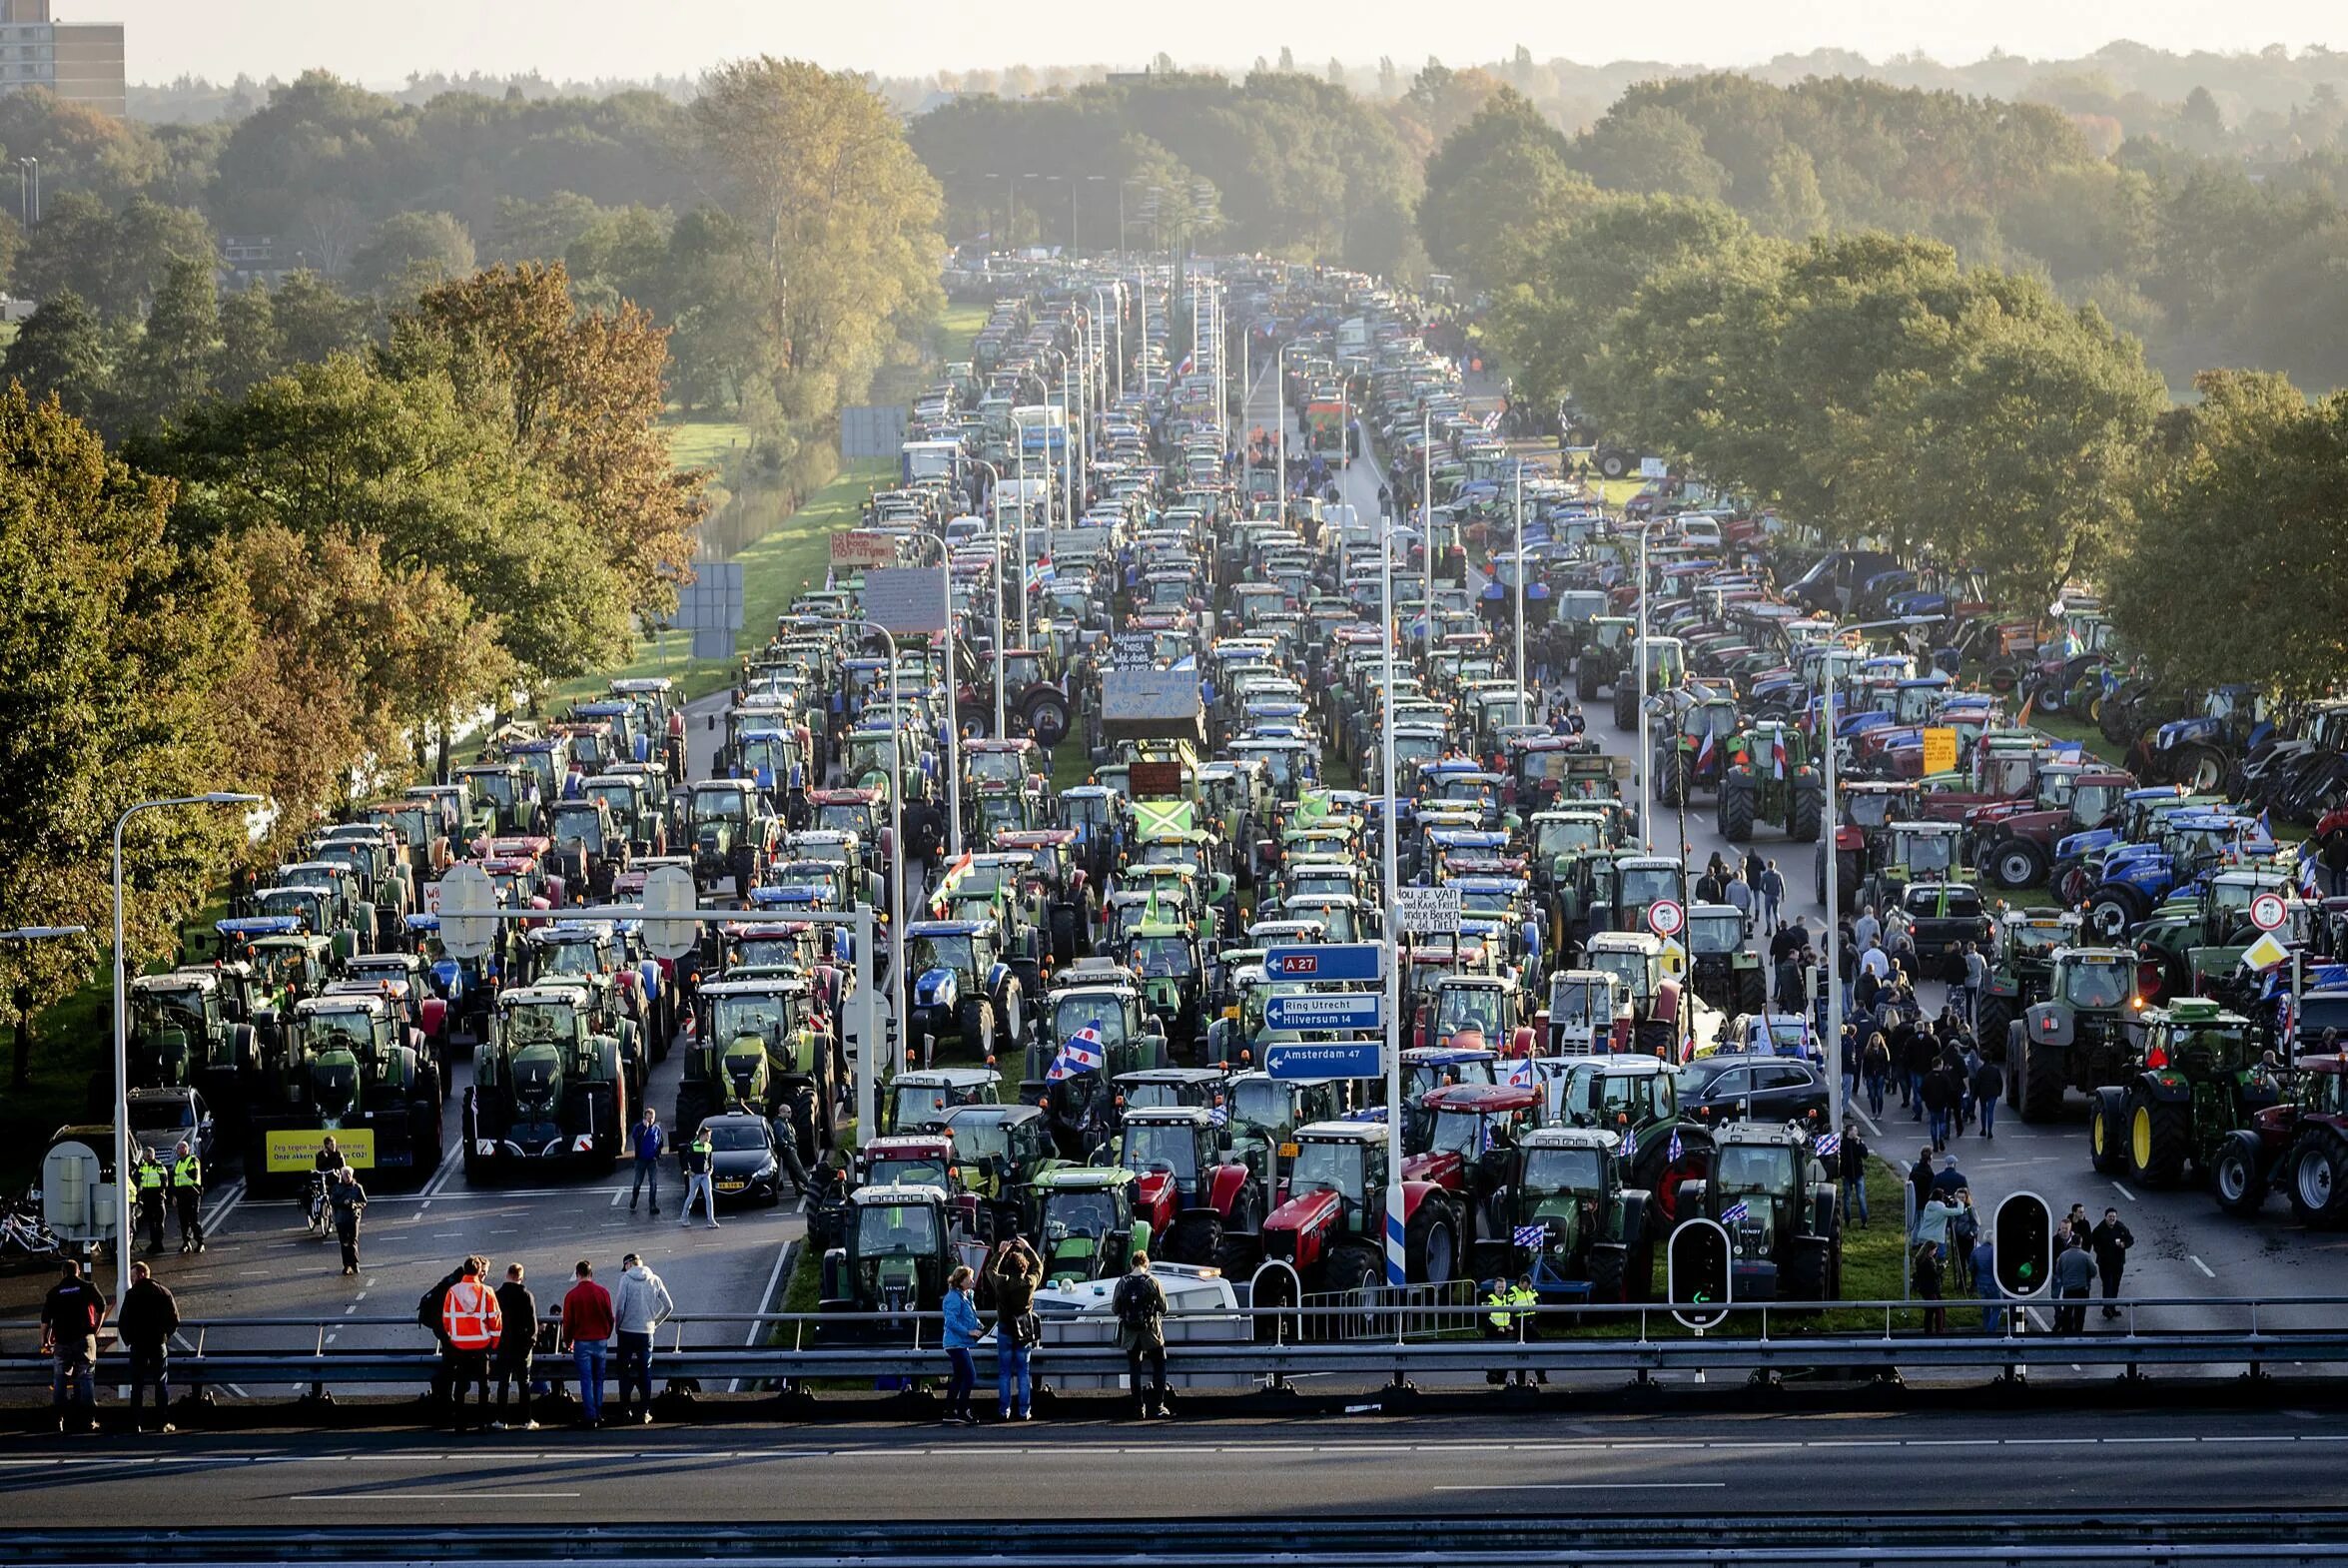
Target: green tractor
x=1085 y=1223
x=184 y=1033
x=2199 y=1084
x=2021 y=969
x=545 y=1089
x=1667 y=667
x=1597 y=1237
x=340 y=1065
x=1723 y=968
x=763 y=1045
x=1605 y=656
x=1771 y=778
x=2077 y=1038
x=1771 y=1192
x=1166 y=956
x=1693 y=752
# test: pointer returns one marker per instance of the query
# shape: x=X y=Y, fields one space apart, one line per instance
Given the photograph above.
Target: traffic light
x=2023 y=1237
x=1696 y=1273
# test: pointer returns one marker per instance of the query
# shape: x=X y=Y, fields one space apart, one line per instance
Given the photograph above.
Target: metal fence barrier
x=1866 y=1339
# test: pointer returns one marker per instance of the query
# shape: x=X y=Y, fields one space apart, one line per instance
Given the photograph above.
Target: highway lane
x=1780 y=1465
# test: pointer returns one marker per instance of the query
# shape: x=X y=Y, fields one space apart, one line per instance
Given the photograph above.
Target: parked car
x=1739 y=1087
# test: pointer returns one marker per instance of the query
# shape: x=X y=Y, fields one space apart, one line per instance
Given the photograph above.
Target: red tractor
x=1330 y=1224
x=2299 y=1145
x=1202 y=1209
x=1474 y=1129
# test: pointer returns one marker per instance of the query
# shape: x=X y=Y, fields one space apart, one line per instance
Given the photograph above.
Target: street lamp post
x=1646 y=758
x=995 y=532
x=122 y=1036
x=1396 y=1273
x=898 y=913
x=1279 y=419
x=1523 y=712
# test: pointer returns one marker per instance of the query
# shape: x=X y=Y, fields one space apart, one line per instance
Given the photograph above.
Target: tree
x=61 y=352
x=116 y=260
x=1797 y=209
x=113 y=647
x=1504 y=170
x=1653 y=151
x=581 y=394
x=316 y=320
x=171 y=363
x=252 y=349
x=409 y=253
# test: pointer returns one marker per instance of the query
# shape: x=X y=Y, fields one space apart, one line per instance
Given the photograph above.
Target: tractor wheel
x=2319 y=1179
x=2042 y=1081
x=2234 y=1175
x=1804 y=816
x=2070 y=883
x=1736 y=812
x=1585 y=677
x=1809 y=1269
x=803 y=1126
x=1195 y=1236
x=423 y=1121
x=1047 y=715
x=1430 y=1245
x=1063 y=936
x=1349 y=1272
x=978 y=1028
x=1613 y=465
x=2160 y=1136
x=2202 y=769
x=1238 y=1255
x=1626 y=704
x=2016 y=863
x=2112 y=910
x=2107 y=1139
x=1990 y=1029
x=1610 y=1268
x=1671 y=779
x=1752 y=990
x=692 y=1106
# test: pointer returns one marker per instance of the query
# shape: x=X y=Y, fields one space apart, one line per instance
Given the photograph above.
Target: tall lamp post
x=899 y=915
x=995 y=531
x=122 y=1038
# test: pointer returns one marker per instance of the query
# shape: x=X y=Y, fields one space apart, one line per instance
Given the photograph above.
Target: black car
x=1737 y=1088
x=742 y=1159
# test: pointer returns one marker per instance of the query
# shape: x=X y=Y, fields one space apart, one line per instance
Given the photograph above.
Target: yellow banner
x=296 y=1149
x=1939 y=751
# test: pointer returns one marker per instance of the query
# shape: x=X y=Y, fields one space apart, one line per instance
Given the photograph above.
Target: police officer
x=187 y=1190
x=696 y=1161
x=152 y=1180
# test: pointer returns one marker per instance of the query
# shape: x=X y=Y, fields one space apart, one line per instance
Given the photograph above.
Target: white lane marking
x=2207 y=1272
x=423 y=1199
x=2123 y=1192
x=448 y=1168
x=774 y=1276
x=231 y=1196
x=615 y=1196
x=419 y=1498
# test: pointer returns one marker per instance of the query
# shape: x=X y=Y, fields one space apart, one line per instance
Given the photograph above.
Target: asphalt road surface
x=1776 y=1466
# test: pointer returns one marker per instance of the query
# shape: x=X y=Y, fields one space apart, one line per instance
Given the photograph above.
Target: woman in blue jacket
x=962 y=1333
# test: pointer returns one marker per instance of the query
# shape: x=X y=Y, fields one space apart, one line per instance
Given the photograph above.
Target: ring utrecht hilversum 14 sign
x=1336 y=1011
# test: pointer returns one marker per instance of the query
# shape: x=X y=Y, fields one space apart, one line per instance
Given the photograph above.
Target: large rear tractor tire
x=2233 y=1177
x=2160 y=1136
x=1736 y=812
x=2107 y=1136
x=1195 y=1236
x=2016 y=863
x=2315 y=1174
x=1431 y=1243
x=1805 y=816
x=1585 y=677
x=2042 y=1081
x=1626 y=704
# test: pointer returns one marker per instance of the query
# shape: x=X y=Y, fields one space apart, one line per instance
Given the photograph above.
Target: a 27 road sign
x=1326 y=960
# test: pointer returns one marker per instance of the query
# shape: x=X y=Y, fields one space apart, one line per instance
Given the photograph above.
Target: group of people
x=1013 y=1274
x=176 y=1185
x=493 y=1336
x=71 y=1317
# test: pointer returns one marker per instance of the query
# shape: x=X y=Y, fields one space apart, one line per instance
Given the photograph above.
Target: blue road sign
x=1326 y=960
x=1336 y=1058
x=1331 y=1009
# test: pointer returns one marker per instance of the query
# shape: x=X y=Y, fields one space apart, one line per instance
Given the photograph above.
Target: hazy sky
x=379 y=42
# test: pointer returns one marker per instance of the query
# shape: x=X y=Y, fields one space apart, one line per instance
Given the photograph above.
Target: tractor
x=1596 y=1241
x=590 y=848
x=1658 y=1001
x=2200 y=1081
x=1775 y=1197
x=339 y=1067
x=184 y=1033
x=998 y=1153
x=1694 y=754
x=919 y=1101
x=1605 y=657
x=1723 y=968
x=763 y=1045
x=963 y=988
x=2022 y=963
x=1330 y=1224
x=1772 y=779
x=1666 y=668
x=902 y=1244
x=1472 y=1131
x=1863 y=840
x=1200 y=1208
x=1084 y=1224
x=1911 y=852
x=2299 y=1143
x=732 y=833
x=547 y=1089
x=2077 y=1038
x=1636 y=1098
x=1264 y=1112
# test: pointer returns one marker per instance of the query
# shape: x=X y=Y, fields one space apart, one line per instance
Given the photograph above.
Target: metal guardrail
x=1777 y=1337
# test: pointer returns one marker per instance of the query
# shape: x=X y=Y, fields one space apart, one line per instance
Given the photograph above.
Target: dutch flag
x=1704 y=753
x=1777 y=752
x=2307 y=883
x=1084 y=1052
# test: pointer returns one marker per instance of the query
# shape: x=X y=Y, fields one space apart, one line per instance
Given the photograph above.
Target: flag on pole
x=2307 y=883
x=1673 y=1150
x=2288 y=1025
x=1777 y=752
x=1704 y=753
x=956 y=875
x=1531 y=1237
x=1084 y=1051
x=1493 y=420
x=1630 y=1144
x=1736 y=1214
x=1828 y=1144
x=1520 y=1072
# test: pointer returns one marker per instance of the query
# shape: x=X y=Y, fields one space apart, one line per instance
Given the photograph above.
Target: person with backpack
x=427 y=1315
x=146 y=1323
x=1011 y=1273
x=69 y=1318
x=518 y=1344
x=1140 y=1305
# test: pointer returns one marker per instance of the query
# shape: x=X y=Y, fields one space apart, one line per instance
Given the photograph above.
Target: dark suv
x=1738 y=1087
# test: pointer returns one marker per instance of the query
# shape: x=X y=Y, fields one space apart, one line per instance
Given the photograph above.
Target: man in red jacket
x=586 y=1323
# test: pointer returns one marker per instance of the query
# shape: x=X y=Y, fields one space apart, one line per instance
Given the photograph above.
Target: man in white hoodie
x=638 y=1306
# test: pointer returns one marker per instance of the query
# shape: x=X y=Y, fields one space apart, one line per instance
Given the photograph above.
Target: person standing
x=696 y=1160
x=1874 y=1064
x=349 y=1199
x=154 y=1185
x=149 y=1317
x=2074 y=1271
x=1140 y=1306
x=472 y=1324
x=1927 y=1287
x=518 y=1344
x=1866 y=931
x=2111 y=1240
x=1919 y=1187
x=648 y=1141
x=1772 y=887
x=1940 y=1103
x=70 y=1317
x=1853 y=1170
x=1011 y=1273
x=641 y=1305
x=1989 y=1082
x=1985 y=1283
x=586 y=1323
x=187 y=1190
x=962 y=1337
x=1734 y=890
x=1976 y=980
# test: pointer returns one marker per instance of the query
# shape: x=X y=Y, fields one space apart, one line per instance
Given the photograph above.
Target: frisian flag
x=1829 y=1143
x=1736 y=1214
x=1084 y=1051
x=1533 y=1238
x=1674 y=1151
x=1630 y=1144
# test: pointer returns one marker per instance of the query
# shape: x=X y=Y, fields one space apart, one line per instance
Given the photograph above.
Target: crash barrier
x=1260 y=1348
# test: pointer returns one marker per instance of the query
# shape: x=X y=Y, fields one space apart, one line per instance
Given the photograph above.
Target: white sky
x=381 y=41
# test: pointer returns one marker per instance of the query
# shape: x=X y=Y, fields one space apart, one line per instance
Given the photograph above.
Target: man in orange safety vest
x=471 y=1325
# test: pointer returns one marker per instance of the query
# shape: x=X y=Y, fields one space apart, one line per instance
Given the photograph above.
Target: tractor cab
x=1725 y=969
x=917 y=1101
x=1773 y=1195
x=1472 y=1012
x=1085 y=1223
x=909 y=1160
x=902 y=1244
x=1153 y=1089
x=1589 y=1012
x=1572 y=1223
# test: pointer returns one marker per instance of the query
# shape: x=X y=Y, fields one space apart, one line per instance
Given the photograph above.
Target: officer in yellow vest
x=187 y=1190
x=152 y=1180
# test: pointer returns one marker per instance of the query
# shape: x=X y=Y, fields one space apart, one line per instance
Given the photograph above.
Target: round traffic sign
x=2266 y=911
x=1664 y=918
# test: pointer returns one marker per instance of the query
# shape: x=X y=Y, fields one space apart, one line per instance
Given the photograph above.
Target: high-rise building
x=81 y=62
